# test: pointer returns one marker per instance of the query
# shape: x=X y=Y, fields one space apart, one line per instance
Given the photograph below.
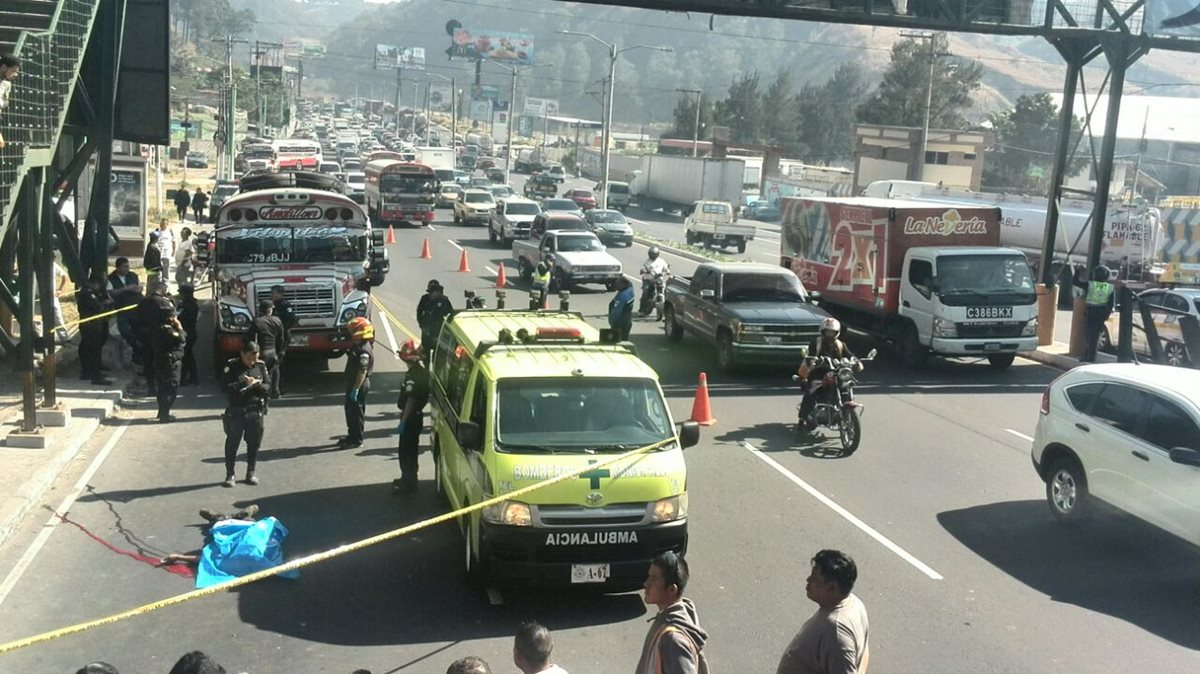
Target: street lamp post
x=453 y=110
x=512 y=109
x=613 y=53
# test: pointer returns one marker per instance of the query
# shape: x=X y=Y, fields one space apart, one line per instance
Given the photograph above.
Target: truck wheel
x=741 y=246
x=670 y=326
x=1001 y=361
x=523 y=270
x=915 y=355
x=690 y=238
x=564 y=281
x=725 y=356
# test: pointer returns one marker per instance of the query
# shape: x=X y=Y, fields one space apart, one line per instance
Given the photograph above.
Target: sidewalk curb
x=1056 y=360
x=42 y=467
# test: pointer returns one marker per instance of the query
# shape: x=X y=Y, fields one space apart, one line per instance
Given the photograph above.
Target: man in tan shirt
x=834 y=640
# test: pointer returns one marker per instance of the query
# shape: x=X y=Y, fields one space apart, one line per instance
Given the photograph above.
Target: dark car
x=545 y=222
x=583 y=198
x=196 y=160
x=562 y=205
x=496 y=175
x=220 y=193
x=540 y=186
x=611 y=226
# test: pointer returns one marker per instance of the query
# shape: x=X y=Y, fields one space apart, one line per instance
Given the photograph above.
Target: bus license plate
x=773 y=339
x=298 y=340
x=589 y=573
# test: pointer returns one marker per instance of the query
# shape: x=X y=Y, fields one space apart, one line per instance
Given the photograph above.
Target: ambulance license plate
x=589 y=573
x=298 y=340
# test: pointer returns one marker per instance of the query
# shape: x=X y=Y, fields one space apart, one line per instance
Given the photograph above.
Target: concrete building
x=952 y=158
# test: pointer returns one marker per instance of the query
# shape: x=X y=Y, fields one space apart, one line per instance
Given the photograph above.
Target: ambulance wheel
x=478 y=574
x=741 y=246
x=438 y=472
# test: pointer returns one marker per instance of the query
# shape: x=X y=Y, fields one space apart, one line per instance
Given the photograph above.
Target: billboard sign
x=488 y=91
x=539 y=107
x=392 y=57
x=475 y=44
x=480 y=110
x=299 y=47
x=127 y=202
x=1172 y=17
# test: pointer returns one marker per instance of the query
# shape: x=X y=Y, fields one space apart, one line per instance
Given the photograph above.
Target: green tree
x=685 y=118
x=781 y=115
x=899 y=100
x=742 y=110
x=1023 y=153
x=825 y=115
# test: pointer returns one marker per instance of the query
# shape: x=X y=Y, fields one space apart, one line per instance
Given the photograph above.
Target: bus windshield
x=576 y=415
x=402 y=183
x=257 y=245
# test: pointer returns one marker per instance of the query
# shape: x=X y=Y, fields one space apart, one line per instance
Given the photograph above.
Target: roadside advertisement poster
x=477 y=44
x=540 y=107
x=480 y=110
x=1172 y=17
x=392 y=57
x=127 y=203
x=301 y=47
x=488 y=91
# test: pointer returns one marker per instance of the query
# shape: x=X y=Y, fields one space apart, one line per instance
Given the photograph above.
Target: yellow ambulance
x=522 y=396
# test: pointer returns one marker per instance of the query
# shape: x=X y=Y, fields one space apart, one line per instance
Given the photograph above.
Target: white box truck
x=675 y=183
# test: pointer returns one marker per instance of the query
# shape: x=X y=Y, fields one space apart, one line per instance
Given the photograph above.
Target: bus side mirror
x=689 y=434
x=378 y=238
x=469 y=435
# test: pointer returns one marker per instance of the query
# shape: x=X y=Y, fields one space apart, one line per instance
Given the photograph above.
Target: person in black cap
x=92 y=301
x=168 y=340
x=433 y=308
x=189 y=315
x=286 y=315
x=269 y=332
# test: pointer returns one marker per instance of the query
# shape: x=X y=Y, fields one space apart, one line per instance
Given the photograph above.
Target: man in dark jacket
x=246 y=384
x=152 y=313
x=168 y=339
x=199 y=204
x=92 y=301
x=268 y=332
x=432 y=309
x=675 y=641
x=189 y=315
x=182 y=201
x=414 y=395
x=287 y=316
x=125 y=290
x=620 y=309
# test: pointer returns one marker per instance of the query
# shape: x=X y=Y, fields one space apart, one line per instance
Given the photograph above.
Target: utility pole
x=696 y=126
x=229 y=108
x=933 y=56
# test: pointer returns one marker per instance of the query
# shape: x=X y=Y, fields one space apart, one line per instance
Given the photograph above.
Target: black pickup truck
x=753 y=313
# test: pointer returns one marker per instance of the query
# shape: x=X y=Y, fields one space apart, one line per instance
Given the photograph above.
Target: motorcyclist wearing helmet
x=360 y=357
x=651 y=268
x=1099 y=294
x=813 y=369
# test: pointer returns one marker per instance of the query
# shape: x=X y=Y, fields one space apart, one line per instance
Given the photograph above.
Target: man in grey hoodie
x=675 y=642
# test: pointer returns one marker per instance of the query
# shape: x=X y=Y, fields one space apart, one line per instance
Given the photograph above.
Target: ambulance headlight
x=509 y=513
x=670 y=509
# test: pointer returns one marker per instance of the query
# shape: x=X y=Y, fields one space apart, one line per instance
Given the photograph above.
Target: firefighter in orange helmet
x=359 y=360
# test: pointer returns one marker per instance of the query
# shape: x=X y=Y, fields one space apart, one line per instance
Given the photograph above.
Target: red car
x=582 y=198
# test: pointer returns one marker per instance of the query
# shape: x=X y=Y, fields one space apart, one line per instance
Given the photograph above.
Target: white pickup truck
x=511 y=219
x=575 y=257
x=713 y=224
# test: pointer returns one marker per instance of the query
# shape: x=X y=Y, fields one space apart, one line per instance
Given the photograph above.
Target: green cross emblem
x=595 y=475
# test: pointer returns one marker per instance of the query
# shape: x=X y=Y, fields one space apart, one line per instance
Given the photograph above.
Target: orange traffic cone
x=425 y=254
x=462 y=262
x=501 y=278
x=701 y=411
x=391 y=235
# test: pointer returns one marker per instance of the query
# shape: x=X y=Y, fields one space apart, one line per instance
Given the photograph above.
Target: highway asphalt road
x=960 y=565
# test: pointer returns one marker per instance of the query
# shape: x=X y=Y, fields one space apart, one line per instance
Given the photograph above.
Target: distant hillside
x=647 y=80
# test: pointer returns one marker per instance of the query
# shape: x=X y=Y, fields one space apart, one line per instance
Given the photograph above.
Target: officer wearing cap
x=189 y=315
x=432 y=309
x=286 y=314
x=1099 y=298
x=359 y=360
x=414 y=395
x=246 y=384
x=268 y=331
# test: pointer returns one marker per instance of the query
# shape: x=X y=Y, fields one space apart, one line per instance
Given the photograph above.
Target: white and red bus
x=297 y=154
x=318 y=245
x=400 y=192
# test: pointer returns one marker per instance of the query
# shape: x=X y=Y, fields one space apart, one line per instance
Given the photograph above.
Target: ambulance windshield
x=602 y=414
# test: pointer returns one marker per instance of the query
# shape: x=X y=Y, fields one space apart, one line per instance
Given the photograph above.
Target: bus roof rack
x=266 y=180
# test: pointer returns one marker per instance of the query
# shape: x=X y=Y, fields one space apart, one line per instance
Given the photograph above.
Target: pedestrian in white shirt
x=10 y=68
x=532 y=648
x=183 y=257
x=166 y=246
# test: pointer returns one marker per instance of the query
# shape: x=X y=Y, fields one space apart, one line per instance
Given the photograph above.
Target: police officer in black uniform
x=167 y=339
x=414 y=395
x=268 y=331
x=152 y=313
x=92 y=301
x=247 y=384
x=286 y=315
x=359 y=360
x=432 y=309
x=189 y=316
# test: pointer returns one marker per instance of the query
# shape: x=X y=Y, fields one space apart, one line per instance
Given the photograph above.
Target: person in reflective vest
x=1098 y=296
x=541 y=283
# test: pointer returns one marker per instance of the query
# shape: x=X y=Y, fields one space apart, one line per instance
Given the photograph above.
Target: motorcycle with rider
x=655 y=272
x=828 y=373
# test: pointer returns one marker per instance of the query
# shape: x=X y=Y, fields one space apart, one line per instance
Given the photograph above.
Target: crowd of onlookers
x=834 y=639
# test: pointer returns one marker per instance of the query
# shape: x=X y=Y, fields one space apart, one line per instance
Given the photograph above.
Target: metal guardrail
x=37 y=107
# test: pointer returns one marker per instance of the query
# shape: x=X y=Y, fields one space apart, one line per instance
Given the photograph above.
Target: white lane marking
x=1019 y=434
x=26 y=560
x=846 y=514
x=454 y=243
x=387 y=329
x=431 y=227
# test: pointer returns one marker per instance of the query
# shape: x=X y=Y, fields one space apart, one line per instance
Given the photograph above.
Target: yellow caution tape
x=97 y=317
x=317 y=557
x=395 y=321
